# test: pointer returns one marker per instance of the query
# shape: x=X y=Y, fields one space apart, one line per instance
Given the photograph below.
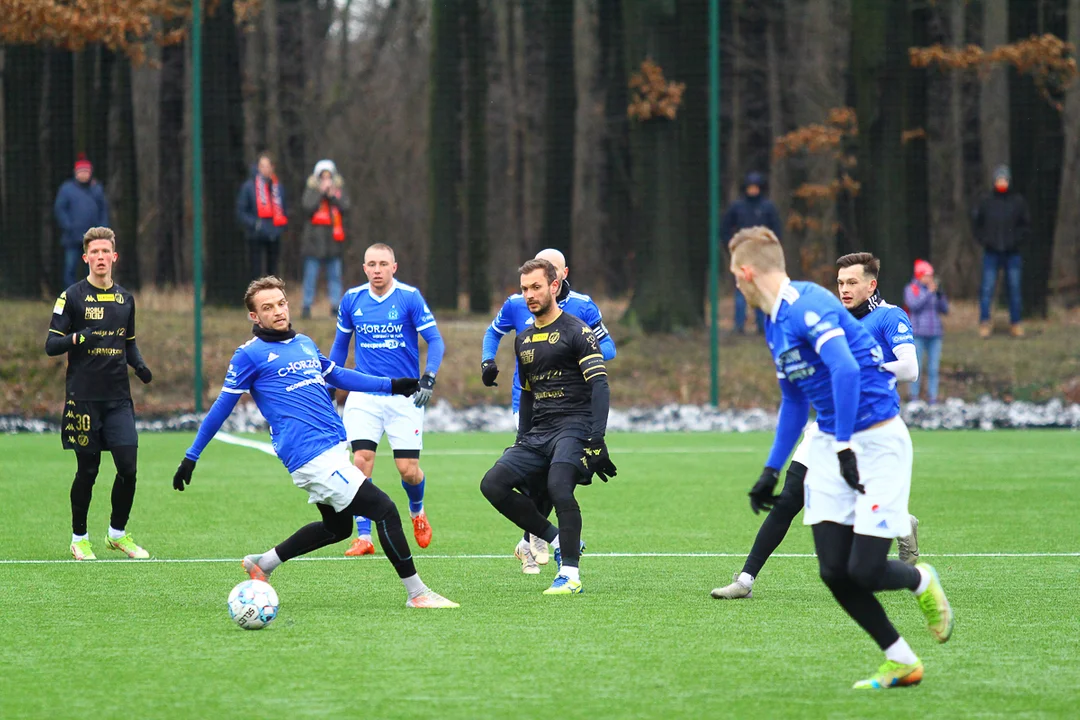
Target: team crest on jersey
x=393 y=314
x=811 y=318
x=307 y=350
x=553 y=337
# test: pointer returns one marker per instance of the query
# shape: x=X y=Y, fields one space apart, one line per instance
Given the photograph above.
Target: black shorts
x=531 y=457
x=97 y=425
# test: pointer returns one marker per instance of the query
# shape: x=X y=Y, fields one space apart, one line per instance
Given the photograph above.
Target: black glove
x=762 y=496
x=143 y=373
x=849 y=468
x=488 y=372
x=423 y=395
x=86 y=338
x=403 y=386
x=332 y=392
x=183 y=474
x=597 y=460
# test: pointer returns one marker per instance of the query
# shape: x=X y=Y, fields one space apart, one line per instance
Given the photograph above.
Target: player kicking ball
x=561 y=425
x=890 y=327
x=859 y=475
x=386 y=318
x=286 y=376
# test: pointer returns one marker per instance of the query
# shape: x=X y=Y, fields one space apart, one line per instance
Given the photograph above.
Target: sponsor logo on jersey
x=269 y=358
x=58 y=308
x=358 y=312
x=901 y=328
x=374 y=329
x=96 y=312
x=299 y=366
x=107 y=297
x=527 y=356
x=89 y=298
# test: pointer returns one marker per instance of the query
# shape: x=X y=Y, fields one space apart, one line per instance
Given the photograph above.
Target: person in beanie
x=753 y=209
x=325 y=204
x=260 y=209
x=926 y=304
x=1001 y=224
x=80 y=205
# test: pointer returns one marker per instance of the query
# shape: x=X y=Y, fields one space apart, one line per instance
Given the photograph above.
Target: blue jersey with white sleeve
x=514 y=315
x=824 y=358
x=890 y=326
x=286 y=381
x=386 y=330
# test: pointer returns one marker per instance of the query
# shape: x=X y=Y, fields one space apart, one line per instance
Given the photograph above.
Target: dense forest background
x=471 y=133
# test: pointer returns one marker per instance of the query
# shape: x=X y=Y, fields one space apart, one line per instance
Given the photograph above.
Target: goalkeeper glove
x=597 y=460
x=423 y=395
x=762 y=496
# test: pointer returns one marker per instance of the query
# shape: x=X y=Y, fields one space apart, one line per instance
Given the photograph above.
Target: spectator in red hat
x=926 y=304
x=80 y=205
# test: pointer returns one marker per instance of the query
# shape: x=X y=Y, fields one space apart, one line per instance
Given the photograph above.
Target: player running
x=514 y=315
x=563 y=418
x=890 y=327
x=286 y=376
x=93 y=323
x=387 y=318
x=825 y=358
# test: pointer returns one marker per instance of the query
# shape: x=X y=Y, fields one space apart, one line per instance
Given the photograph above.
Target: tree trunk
x=1036 y=146
x=559 y=122
x=779 y=179
x=171 y=189
x=994 y=99
x=22 y=271
x=476 y=183
x=880 y=67
x=292 y=161
x=617 y=241
x=224 y=169
x=61 y=110
x=444 y=155
x=693 y=145
x=915 y=149
x=126 y=197
x=97 y=146
x=1066 y=265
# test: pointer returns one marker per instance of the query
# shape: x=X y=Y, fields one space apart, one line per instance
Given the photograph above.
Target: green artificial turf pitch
x=152 y=639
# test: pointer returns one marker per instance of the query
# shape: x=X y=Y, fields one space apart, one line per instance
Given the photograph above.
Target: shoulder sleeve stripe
x=834 y=333
x=131 y=339
x=493 y=327
x=234 y=391
x=330 y=368
x=590 y=357
x=343 y=329
x=56 y=331
x=595 y=375
x=425 y=326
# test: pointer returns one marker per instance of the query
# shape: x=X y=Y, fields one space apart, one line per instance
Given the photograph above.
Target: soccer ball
x=253 y=604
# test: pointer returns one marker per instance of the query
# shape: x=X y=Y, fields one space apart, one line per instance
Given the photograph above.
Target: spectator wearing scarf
x=325 y=204
x=261 y=210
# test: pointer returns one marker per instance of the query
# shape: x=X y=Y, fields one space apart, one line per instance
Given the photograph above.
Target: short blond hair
x=381 y=246
x=98 y=233
x=757 y=246
x=270 y=282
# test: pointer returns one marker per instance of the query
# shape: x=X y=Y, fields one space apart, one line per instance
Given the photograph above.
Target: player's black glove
x=597 y=460
x=849 y=468
x=403 y=386
x=488 y=372
x=423 y=395
x=762 y=496
x=183 y=474
x=86 y=338
x=143 y=373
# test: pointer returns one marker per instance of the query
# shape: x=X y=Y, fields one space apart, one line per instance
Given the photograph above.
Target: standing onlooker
x=80 y=205
x=260 y=208
x=1001 y=224
x=926 y=303
x=754 y=208
x=324 y=203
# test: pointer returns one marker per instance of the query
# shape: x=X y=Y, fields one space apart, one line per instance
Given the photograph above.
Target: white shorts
x=330 y=479
x=802 y=453
x=367 y=417
x=884 y=455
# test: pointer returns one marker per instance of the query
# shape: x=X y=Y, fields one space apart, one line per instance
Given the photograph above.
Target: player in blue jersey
x=386 y=318
x=859 y=475
x=889 y=325
x=287 y=378
x=514 y=315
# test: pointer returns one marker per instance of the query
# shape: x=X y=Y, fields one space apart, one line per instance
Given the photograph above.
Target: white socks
x=923 y=583
x=746 y=579
x=570 y=572
x=79 y=538
x=901 y=652
x=414 y=585
x=115 y=534
x=365 y=537
x=555 y=543
x=269 y=561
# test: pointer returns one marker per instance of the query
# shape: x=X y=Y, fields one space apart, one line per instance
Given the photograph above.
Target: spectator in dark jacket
x=751 y=210
x=926 y=304
x=325 y=205
x=80 y=205
x=260 y=209
x=1001 y=224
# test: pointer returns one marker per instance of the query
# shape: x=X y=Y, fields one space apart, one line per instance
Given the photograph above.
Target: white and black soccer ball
x=253 y=604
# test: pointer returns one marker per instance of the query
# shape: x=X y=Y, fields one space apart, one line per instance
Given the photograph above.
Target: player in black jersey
x=564 y=409
x=93 y=323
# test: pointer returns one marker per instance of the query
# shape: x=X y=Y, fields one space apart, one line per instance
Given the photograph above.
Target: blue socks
x=363 y=526
x=416 y=496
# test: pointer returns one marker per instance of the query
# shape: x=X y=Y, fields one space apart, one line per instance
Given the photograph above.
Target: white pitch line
x=508 y=556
